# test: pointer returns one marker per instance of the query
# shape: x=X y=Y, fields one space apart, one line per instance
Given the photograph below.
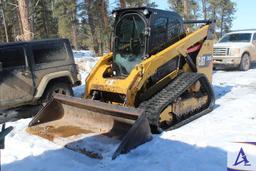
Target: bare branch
x=16 y=5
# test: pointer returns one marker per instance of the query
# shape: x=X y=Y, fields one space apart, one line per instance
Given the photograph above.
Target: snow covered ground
x=198 y=146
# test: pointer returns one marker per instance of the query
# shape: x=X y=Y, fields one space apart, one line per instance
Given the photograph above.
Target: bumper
x=226 y=61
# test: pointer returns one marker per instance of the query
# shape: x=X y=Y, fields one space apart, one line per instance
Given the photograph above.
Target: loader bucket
x=91 y=127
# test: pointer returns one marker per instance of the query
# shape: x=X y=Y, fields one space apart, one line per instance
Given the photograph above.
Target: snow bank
x=85 y=61
x=83 y=53
x=197 y=146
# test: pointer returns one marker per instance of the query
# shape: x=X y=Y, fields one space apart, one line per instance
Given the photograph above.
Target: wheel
x=245 y=63
x=57 y=88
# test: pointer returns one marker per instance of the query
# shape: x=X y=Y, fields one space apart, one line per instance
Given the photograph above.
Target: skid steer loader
x=157 y=78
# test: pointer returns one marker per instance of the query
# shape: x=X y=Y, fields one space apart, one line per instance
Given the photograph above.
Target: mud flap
x=76 y=121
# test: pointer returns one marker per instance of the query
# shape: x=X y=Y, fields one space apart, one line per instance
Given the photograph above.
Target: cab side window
x=174 y=28
x=159 y=36
x=160 y=30
x=12 y=57
x=45 y=53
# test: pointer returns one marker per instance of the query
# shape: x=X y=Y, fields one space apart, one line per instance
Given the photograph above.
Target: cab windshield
x=129 y=43
x=238 y=37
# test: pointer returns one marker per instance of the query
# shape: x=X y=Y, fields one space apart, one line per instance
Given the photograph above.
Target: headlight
x=145 y=12
x=234 y=51
x=114 y=14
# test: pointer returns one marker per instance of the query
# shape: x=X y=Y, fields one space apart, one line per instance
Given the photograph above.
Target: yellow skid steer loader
x=157 y=78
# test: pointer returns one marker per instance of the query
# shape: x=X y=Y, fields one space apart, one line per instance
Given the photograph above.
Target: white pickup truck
x=236 y=50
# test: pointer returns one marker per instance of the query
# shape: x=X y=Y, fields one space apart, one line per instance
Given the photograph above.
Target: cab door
x=16 y=85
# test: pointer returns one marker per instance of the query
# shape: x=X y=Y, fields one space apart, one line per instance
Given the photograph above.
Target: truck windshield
x=239 y=37
x=129 y=43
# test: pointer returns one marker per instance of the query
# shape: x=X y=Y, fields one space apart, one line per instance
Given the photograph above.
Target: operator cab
x=140 y=33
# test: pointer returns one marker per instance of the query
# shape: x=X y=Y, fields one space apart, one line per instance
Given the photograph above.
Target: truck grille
x=220 y=51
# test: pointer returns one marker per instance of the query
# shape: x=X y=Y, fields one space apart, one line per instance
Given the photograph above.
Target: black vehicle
x=31 y=72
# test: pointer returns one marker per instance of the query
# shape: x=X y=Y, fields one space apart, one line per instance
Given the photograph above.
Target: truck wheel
x=245 y=63
x=57 y=88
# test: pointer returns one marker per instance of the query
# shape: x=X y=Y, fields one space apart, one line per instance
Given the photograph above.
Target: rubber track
x=155 y=105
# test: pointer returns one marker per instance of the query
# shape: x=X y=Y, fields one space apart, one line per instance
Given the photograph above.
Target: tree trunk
x=105 y=36
x=214 y=13
x=74 y=27
x=92 y=26
x=122 y=3
x=24 y=16
x=74 y=36
x=5 y=27
x=103 y=12
x=204 y=9
x=19 y=22
x=45 y=20
x=221 y=22
x=101 y=48
x=186 y=10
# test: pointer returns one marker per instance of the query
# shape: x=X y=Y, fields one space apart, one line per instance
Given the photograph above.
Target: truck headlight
x=234 y=51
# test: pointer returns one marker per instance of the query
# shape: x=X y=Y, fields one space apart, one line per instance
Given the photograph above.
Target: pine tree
x=176 y=5
x=137 y=3
x=65 y=11
x=12 y=21
x=99 y=24
x=188 y=9
x=220 y=10
x=44 y=23
x=3 y=19
x=84 y=38
x=227 y=11
x=87 y=23
x=74 y=23
x=91 y=21
x=223 y=12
